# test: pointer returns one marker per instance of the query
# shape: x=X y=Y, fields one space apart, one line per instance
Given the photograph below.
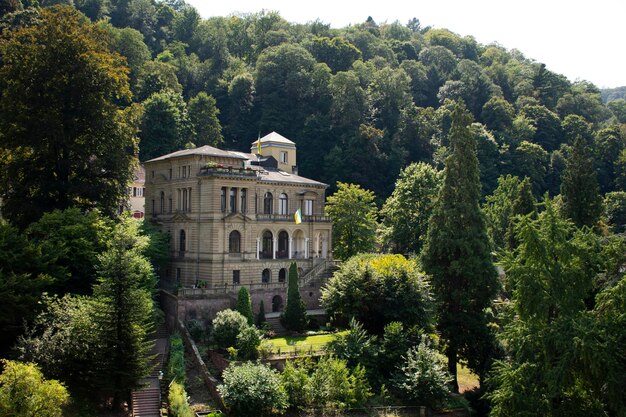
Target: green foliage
x=66 y=342
x=294 y=317
x=294 y=378
x=66 y=141
x=179 y=401
x=125 y=312
x=244 y=305
x=615 y=206
x=176 y=369
x=70 y=241
x=24 y=392
x=354 y=220
x=22 y=281
x=248 y=341
x=457 y=252
x=422 y=378
x=363 y=282
x=203 y=114
x=582 y=201
x=227 y=324
x=355 y=347
x=406 y=212
x=252 y=389
x=550 y=341
x=165 y=126
x=333 y=385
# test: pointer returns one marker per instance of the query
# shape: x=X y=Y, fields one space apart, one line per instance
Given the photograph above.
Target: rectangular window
x=134 y=191
x=236 y=277
x=178 y=200
x=170 y=177
x=189 y=198
x=283 y=157
x=185 y=200
x=223 y=199
x=308 y=207
x=233 y=200
x=243 y=205
x=185 y=171
x=170 y=204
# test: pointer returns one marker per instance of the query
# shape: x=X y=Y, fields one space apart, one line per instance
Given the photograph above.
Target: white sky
x=581 y=40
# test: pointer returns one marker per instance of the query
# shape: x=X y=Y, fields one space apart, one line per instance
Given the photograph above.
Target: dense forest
x=361 y=102
x=457 y=155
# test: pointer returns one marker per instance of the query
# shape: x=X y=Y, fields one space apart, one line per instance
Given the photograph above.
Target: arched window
x=267 y=249
x=283 y=245
x=182 y=241
x=282 y=275
x=234 y=242
x=283 y=205
x=268 y=203
x=266 y=276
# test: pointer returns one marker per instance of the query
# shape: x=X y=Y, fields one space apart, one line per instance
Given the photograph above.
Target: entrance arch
x=277 y=304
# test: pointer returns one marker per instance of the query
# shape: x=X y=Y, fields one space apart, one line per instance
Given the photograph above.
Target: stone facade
x=230 y=217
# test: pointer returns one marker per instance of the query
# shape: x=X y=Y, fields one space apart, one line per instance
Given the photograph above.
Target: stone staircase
x=148 y=401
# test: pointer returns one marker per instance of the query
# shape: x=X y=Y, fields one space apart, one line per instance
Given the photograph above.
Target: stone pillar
x=290 y=245
x=258 y=247
x=306 y=248
x=275 y=248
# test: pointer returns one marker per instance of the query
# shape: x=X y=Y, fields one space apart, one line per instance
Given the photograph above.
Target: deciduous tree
x=354 y=220
x=66 y=141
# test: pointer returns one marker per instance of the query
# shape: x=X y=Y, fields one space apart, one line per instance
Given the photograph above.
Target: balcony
x=290 y=218
x=227 y=172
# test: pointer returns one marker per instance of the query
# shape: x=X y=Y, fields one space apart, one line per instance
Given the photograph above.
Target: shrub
x=248 y=341
x=176 y=364
x=252 y=389
x=226 y=326
x=244 y=305
x=179 y=401
x=196 y=329
x=423 y=379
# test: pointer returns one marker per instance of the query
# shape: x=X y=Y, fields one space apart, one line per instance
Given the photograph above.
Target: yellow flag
x=297 y=216
x=258 y=145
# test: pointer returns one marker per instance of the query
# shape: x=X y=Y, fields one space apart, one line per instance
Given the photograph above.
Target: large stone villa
x=231 y=220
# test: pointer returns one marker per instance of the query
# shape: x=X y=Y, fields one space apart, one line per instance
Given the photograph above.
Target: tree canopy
x=66 y=139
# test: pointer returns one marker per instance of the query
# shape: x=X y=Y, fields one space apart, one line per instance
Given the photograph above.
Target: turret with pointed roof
x=278 y=146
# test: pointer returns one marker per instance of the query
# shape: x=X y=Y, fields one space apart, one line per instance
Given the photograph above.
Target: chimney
x=294 y=169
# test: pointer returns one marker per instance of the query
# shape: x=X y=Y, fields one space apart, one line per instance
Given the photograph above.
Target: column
x=306 y=248
x=290 y=245
x=258 y=248
x=275 y=248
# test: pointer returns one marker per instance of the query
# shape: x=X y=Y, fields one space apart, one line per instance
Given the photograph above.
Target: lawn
x=289 y=344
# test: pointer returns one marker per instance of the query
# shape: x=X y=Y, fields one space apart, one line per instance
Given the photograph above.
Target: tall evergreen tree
x=244 y=305
x=260 y=318
x=294 y=317
x=125 y=312
x=457 y=253
x=582 y=201
x=524 y=204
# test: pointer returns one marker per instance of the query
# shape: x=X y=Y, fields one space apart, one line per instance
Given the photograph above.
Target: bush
x=196 y=329
x=248 y=341
x=176 y=365
x=423 y=379
x=333 y=385
x=252 y=389
x=226 y=326
x=179 y=401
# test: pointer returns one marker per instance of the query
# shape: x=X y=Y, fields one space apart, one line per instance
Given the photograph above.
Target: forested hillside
x=361 y=102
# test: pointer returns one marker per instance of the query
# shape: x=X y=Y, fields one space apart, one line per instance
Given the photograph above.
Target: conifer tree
x=523 y=204
x=579 y=189
x=244 y=305
x=457 y=253
x=294 y=317
x=260 y=318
